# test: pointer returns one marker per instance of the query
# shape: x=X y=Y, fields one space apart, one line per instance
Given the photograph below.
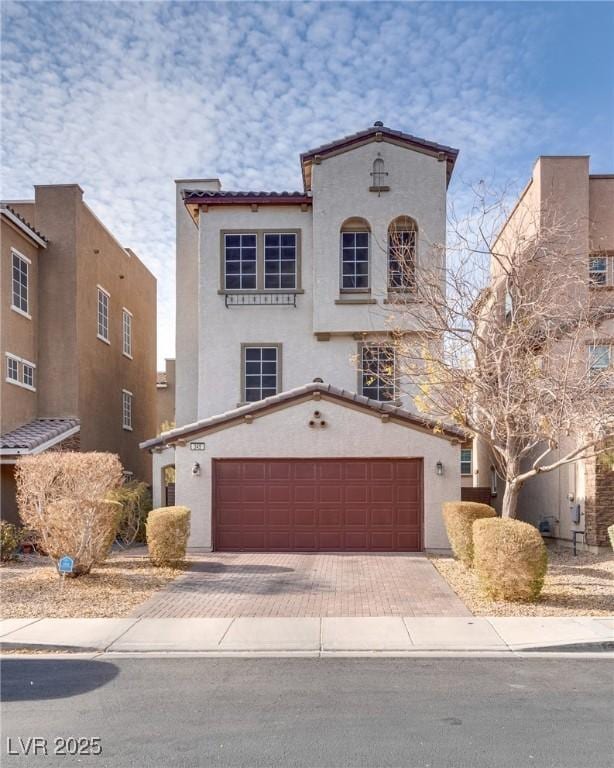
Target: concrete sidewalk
x=388 y=635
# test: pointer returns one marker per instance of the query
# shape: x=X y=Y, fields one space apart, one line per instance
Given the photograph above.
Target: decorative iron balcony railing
x=260 y=299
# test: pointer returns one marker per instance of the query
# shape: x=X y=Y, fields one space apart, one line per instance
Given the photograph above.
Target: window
x=126 y=409
x=597 y=270
x=466 y=461
x=377 y=373
x=378 y=176
x=103 y=314
x=20 y=283
x=127 y=332
x=355 y=255
x=12 y=368
x=261 y=367
x=599 y=358
x=240 y=258
x=279 y=260
x=402 y=254
x=27 y=374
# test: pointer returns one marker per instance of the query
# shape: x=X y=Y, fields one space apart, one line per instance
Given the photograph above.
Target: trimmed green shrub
x=459 y=517
x=10 y=539
x=611 y=535
x=510 y=559
x=168 y=529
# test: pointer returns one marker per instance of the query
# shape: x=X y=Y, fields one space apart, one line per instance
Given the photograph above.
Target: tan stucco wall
x=349 y=432
x=18 y=334
x=601 y=212
x=8 y=502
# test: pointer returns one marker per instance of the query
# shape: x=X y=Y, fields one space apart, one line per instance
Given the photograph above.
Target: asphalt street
x=414 y=713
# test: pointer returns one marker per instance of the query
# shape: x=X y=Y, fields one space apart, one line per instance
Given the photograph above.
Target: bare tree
x=505 y=338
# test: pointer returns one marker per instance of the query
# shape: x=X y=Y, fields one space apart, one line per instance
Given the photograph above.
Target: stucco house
x=576 y=500
x=77 y=337
x=289 y=437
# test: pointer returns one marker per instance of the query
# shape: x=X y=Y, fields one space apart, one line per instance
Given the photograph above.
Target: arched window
x=402 y=243
x=378 y=173
x=355 y=242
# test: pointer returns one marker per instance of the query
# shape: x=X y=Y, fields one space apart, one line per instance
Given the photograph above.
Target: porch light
x=196 y=469
x=439 y=468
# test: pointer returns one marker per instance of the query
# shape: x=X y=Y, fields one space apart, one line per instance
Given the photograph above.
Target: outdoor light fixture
x=439 y=468
x=196 y=469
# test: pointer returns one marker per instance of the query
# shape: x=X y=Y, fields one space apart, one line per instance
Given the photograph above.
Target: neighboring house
x=78 y=337
x=579 y=496
x=165 y=395
x=289 y=434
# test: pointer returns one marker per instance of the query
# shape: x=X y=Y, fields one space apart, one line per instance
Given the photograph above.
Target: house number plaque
x=197 y=446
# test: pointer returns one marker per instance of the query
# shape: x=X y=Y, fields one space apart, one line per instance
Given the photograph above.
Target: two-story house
x=576 y=500
x=291 y=433
x=78 y=338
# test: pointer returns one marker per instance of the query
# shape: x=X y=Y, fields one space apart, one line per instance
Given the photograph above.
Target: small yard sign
x=197 y=446
x=66 y=564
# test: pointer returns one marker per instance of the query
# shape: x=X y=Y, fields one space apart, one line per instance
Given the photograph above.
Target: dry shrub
x=459 y=517
x=10 y=539
x=135 y=499
x=168 y=529
x=510 y=559
x=62 y=496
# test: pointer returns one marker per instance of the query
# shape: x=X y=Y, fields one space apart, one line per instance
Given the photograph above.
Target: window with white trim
x=597 y=270
x=27 y=374
x=127 y=332
x=240 y=259
x=378 y=374
x=103 y=314
x=20 y=282
x=279 y=260
x=599 y=358
x=354 y=260
x=126 y=409
x=12 y=368
x=402 y=238
x=261 y=373
x=466 y=461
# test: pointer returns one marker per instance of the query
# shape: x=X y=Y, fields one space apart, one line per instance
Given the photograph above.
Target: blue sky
x=125 y=97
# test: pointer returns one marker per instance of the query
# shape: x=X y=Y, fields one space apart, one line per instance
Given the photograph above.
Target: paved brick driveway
x=306 y=584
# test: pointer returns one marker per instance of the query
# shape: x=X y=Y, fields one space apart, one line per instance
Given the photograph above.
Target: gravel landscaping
x=574 y=586
x=31 y=588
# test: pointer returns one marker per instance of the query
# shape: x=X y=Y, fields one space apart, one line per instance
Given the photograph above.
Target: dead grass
x=574 y=586
x=32 y=588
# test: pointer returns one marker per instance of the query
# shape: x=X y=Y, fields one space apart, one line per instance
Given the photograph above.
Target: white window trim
x=106 y=339
x=127 y=427
x=470 y=462
x=131 y=316
x=21 y=361
x=23 y=313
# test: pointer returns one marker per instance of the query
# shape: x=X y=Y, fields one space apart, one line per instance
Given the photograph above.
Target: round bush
x=510 y=559
x=168 y=529
x=459 y=517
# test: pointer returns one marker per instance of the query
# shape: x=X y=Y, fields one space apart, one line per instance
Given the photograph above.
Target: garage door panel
x=318 y=504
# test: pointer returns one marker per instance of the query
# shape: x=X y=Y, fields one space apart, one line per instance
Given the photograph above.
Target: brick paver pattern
x=224 y=584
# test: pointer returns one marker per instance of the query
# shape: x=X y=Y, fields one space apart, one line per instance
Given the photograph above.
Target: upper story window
x=126 y=409
x=355 y=244
x=378 y=372
x=103 y=314
x=12 y=368
x=402 y=239
x=27 y=374
x=20 y=371
x=466 y=461
x=240 y=262
x=20 y=299
x=127 y=332
x=598 y=269
x=279 y=260
x=379 y=177
x=261 y=372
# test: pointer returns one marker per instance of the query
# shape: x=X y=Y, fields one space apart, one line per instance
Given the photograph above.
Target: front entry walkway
x=224 y=584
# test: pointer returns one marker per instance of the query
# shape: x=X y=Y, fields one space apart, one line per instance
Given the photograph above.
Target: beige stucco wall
x=18 y=334
x=349 y=433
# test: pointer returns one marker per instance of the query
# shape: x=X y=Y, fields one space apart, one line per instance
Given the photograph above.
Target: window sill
x=20 y=384
x=358 y=300
x=21 y=312
x=234 y=292
x=379 y=189
x=125 y=354
x=127 y=429
x=102 y=338
x=606 y=287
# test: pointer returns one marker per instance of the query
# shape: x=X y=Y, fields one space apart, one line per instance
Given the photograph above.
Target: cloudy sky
x=125 y=97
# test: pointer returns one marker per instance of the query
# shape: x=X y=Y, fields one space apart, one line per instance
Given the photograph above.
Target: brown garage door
x=317 y=504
